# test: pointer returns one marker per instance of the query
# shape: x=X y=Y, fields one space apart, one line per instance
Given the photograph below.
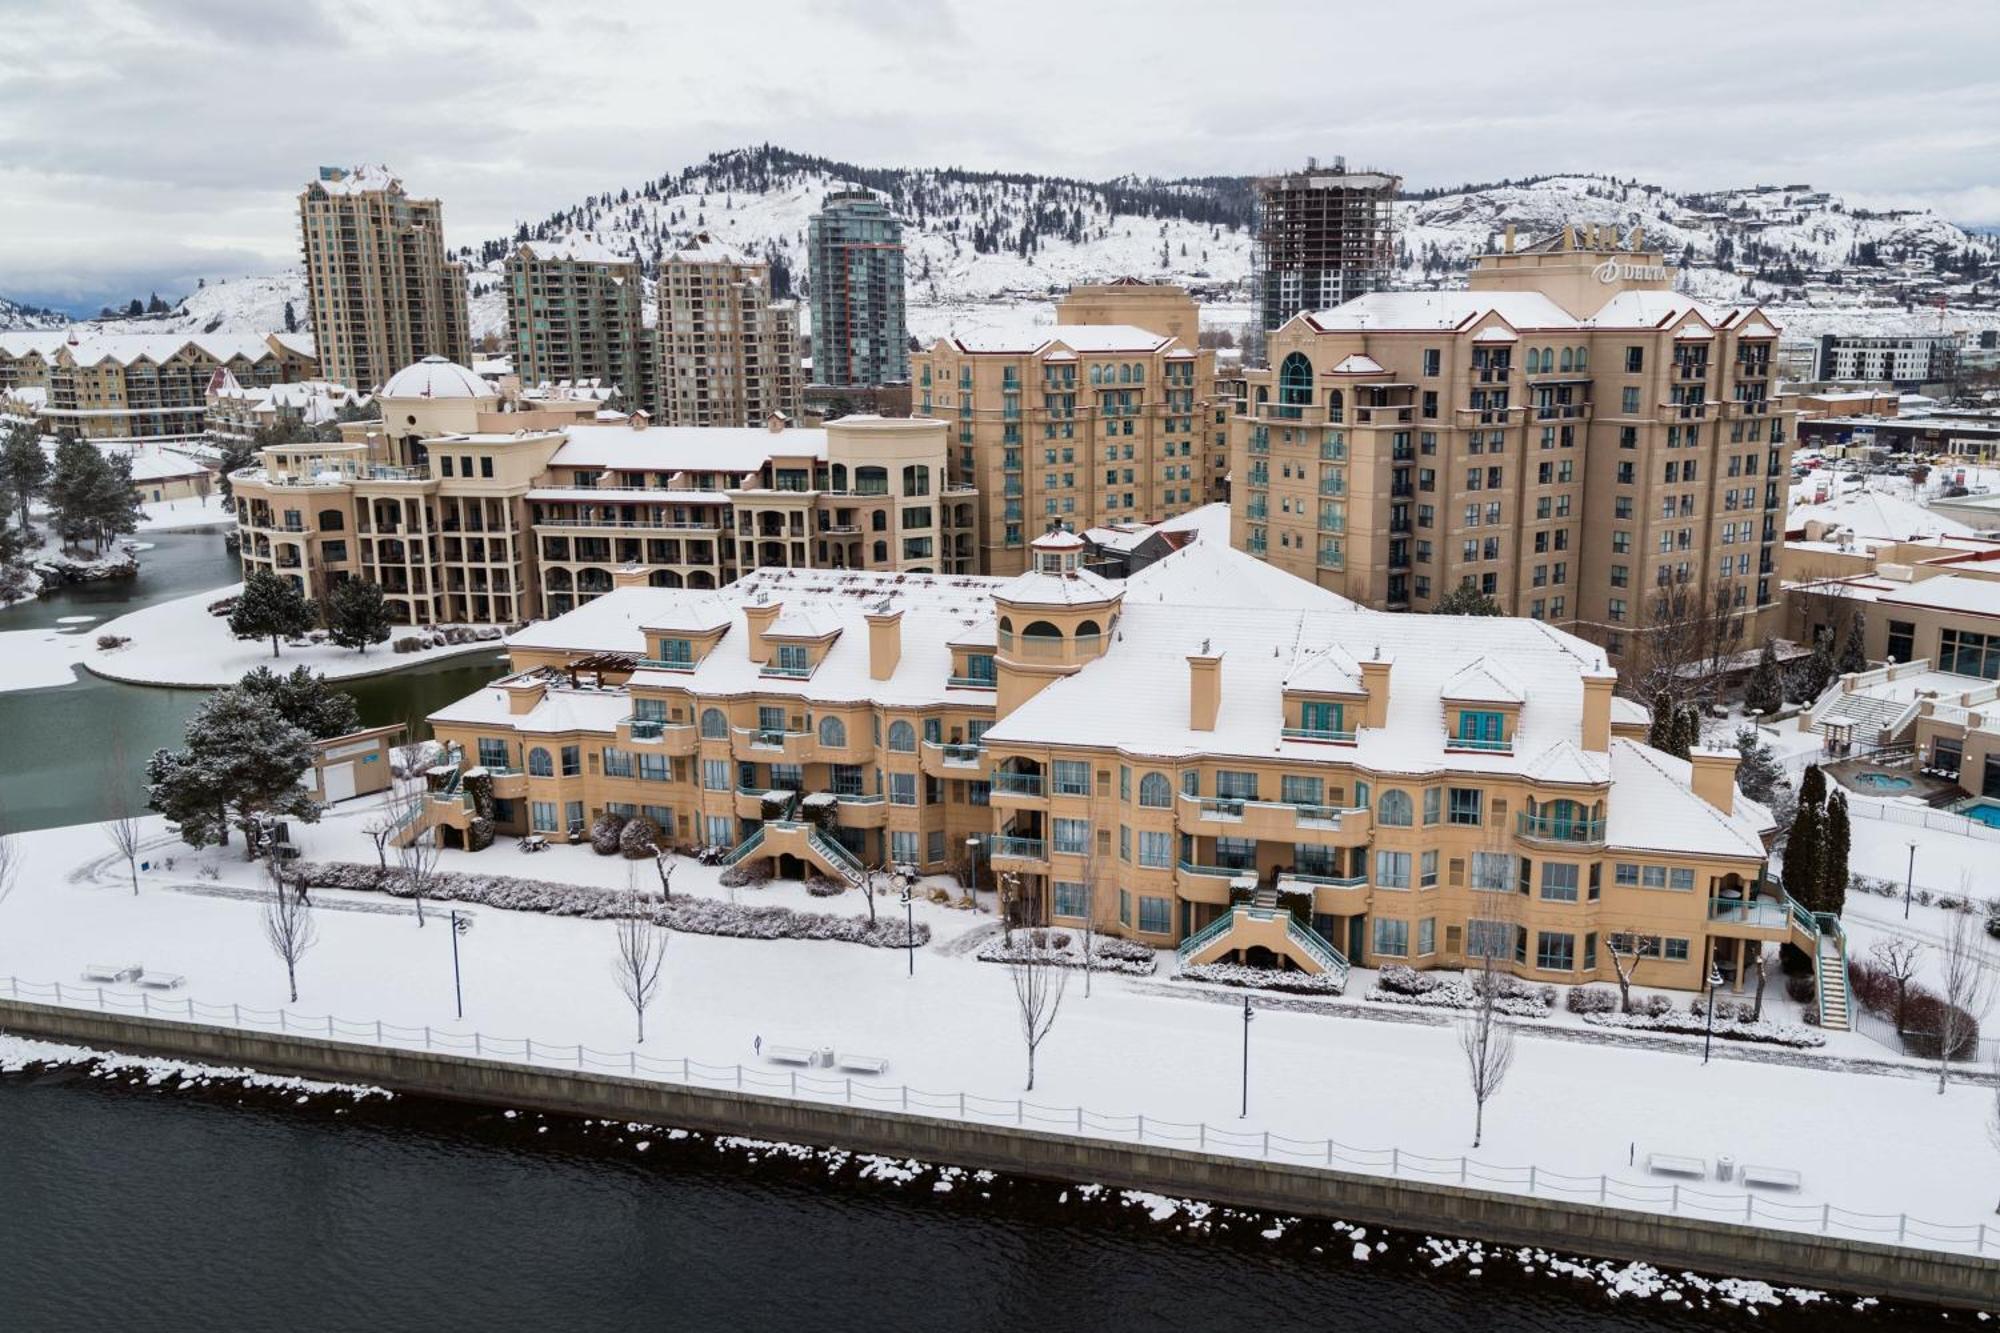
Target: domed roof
x=436 y=377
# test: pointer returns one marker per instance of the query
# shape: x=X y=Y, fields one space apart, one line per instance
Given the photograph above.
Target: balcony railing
x=769 y=738
x=664 y=664
x=1329 y=735
x=1018 y=849
x=1555 y=828
x=957 y=753
x=1017 y=784
x=789 y=672
x=973 y=682
x=1502 y=746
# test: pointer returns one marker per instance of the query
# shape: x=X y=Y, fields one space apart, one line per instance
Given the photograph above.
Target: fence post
x=1600 y=1188
x=1461 y=1169
x=739 y=1074
x=281 y=1020
x=530 y=1057
x=1079 y=1120
x=795 y=1083
x=1204 y=1136
x=961 y=1103
x=477 y=1049
x=1017 y=1106
x=100 y=997
x=378 y=1032
x=1267 y=1143
x=579 y=1055
x=1142 y=1126
x=632 y=1061
x=906 y=1096
x=1982 y=1238
x=329 y=1018
x=145 y=1002
x=236 y=1015
x=1749 y=1203
x=59 y=998
x=850 y=1097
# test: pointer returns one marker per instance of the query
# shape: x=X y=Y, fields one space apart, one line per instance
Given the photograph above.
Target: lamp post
x=1910 y=883
x=1714 y=980
x=1247 y=1012
x=972 y=854
x=459 y=925
x=909 y=923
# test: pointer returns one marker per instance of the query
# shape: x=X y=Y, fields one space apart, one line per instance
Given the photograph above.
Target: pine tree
x=74 y=487
x=270 y=606
x=1467 y=600
x=1805 y=845
x=1766 y=691
x=291 y=319
x=303 y=699
x=1834 y=848
x=1660 y=732
x=358 y=615
x=1817 y=672
x=1687 y=734
x=24 y=470
x=242 y=762
x=1853 y=657
x=1761 y=777
x=112 y=505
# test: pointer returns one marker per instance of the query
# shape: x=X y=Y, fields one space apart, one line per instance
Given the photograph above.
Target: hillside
x=16 y=316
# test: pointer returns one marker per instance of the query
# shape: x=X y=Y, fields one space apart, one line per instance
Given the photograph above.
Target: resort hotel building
x=1567 y=436
x=470 y=506
x=1211 y=755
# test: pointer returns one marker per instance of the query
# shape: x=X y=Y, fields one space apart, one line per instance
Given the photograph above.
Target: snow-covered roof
x=151 y=463
x=1870 y=513
x=1484 y=681
x=436 y=377
x=127 y=348
x=576 y=249
x=1086 y=339
x=1948 y=592
x=26 y=342
x=1653 y=808
x=705 y=249
x=735 y=449
x=1356 y=363
x=1425 y=311
x=356 y=180
x=1209 y=522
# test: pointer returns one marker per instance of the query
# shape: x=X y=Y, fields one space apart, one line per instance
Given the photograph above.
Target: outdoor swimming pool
x=1883 y=781
x=1982 y=810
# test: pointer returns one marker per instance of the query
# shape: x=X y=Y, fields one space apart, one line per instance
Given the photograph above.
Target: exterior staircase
x=1869 y=718
x=778 y=837
x=1830 y=975
x=1255 y=923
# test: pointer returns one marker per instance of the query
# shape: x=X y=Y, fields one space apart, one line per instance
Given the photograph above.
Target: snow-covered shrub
x=1129 y=951
x=1398 y=984
x=1065 y=947
x=639 y=837
x=605 y=831
x=224 y=607
x=1398 y=979
x=1592 y=1000
x=409 y=643
x=110 y=641
x=1726 y=1009
x=1651 y=1006
x=478 y=834
x=733 y=877
x=819 y=886
x=691 y=915
x=1768 y=1034
x=1266 y=978
x=1924 y=1020
x=1801 y=989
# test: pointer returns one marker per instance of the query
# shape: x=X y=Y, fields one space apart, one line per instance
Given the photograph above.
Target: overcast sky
x=142 y=145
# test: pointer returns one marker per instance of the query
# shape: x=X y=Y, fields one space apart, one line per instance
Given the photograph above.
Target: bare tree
x=288 y=925
x=663 y=866
x=10 y=860
x=1898 y=959
x=1691 y=632
x=871 y=875
x=641 y=952
x=1626 y=952
x=1966 y=991
x=417 y=857
x=121 y=825
x=382 y=827
x=1089 y=914
x=1039 y=982
x=1488 y=1042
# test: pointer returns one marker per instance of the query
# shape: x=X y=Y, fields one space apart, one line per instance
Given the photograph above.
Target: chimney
x=630 y=576
x=1507 y=245
x=776 y=423
x=1204 y=688
x=1715 y=778
x=1597 y=712
x=761 y=616
x=1375 y=680
x=885 y=643
x=1638 y=238
x=523 y=693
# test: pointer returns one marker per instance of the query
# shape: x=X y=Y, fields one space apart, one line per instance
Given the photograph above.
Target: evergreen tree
x=1660 y=732
x=291 y=319
x=1761 y=777
x=1805 y=845
x=74 y=486
x=1687 y=731
x=1766 y=691
x=1852 y=656
x=1467 y=600
x=270 y=607
x=358 y=614
x=1834 y=846
x=236 y=455
x=1816 y=672
x=24 y=470
x=303 y=699
x=112 y=506
x=242 y=762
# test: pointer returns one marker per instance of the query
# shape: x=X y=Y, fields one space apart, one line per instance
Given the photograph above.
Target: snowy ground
x=1577 y=1101
x=170 y=515
x=179 y=643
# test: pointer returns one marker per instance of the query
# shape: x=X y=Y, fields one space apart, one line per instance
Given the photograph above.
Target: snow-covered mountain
x=14 y=315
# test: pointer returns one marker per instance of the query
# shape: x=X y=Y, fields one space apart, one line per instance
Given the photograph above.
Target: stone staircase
x=1830 y=980
x=1867 y=715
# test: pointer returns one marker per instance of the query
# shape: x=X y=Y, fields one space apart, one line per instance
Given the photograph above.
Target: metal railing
x=745 y=849
x=1555 y=828
x=1332 y=734
x=1017 y=784
x=1020 y=849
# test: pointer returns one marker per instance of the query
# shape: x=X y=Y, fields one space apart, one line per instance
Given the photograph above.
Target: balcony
x=952 y=760
x=1478 y=745
x=1009 y=788
x=972 y=682
x=1765 y=916
x=1276 y=821
x=786 y=672
x=859 y=811
x=665 y=664
x=775 y=745
x=1562 y=411
x=1551 y=828
x=1335 y=895
x=1321 y=735
x=654 y=733
x=1003 y=847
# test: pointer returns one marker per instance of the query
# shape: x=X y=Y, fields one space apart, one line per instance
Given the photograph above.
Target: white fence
x=1918 y=816
x=1747 y=1207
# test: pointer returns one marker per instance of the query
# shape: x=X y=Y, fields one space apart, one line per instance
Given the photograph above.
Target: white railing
x=1745 y=1207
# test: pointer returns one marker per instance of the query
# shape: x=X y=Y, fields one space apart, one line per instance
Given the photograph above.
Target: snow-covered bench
x=864 y=1064
x=161 y=980
x=1670 y=1164
x=110 y=971
x=1774 y=1177
x=791 y=1055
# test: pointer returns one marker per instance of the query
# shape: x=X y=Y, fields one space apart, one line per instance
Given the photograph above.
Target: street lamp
x=459 y=925
x=909 y=923
x=1247 y=1012
x=1910 y=883
x=972 y=853
x=1714 y=980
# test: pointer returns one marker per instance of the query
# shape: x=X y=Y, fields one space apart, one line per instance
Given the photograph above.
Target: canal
x=55 y=741
x=153 y=1208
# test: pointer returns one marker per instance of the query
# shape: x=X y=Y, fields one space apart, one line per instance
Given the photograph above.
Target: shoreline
x=424 y=658
x=1674 y=1241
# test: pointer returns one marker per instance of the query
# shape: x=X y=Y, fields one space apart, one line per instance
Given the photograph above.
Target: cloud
x=143 y=137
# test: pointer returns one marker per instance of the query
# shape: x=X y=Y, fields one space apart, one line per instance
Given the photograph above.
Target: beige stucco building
x=729 y=353
x=144 y=388
x=1211 y=756
x=1567 y=435
x=576 y=311
x=467 y=507
x=381 y=292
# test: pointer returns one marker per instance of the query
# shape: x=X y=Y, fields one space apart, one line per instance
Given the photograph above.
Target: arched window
x=902 y=736
x=1567 y=357
x=881 y=553
x=1139 y=372
x=1295 y=381
x=840 y=469
x=1088 y=629
x=871 y=481
x=1097 y=374
x=714 y=724
x=1155 y=790
x=561 y=578
x=878 y=521
x=833 y=732
x=1548 y=359
x=1395 y=809
x=1124 y=373
x=1041 y=629
x=1582 y=359
x=1336 y=407
x=539 y=763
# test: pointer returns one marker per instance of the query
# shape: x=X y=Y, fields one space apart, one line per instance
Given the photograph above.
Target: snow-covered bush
x=639 y=837
x=1130 y=951
x=409 y=643
x=1768 y=1034
x=1398 y=979
x=1591 y=1000
x=819 y=886
x=1266 y=978
x=1726 y=1009
x=605 y=832
x=110 y=641
x=1398 y=984
x=1651 y=1006
x=1065 y=947
x=1801 y=989
x=691 y=915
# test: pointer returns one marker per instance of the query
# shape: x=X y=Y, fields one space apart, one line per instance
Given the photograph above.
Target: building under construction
x=1323 y=236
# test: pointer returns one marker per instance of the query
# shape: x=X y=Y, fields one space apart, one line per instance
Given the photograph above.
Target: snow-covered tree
x=24 y=470
x=1761 y=777
x=1853 y=656
x=1965 y=990
x=1487 y=1043
x=1039 y=981
x=270 y=607
x=242 y=763
x=288 y=926
x=121 y=825
x=303 y=699
x=641 y=953
x=1766 y=691
x=357 y=614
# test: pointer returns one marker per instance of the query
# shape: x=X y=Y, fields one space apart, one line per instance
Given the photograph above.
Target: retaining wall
x=1667 y=1241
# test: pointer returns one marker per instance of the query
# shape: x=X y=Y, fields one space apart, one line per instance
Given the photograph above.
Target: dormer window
x=1481 y=729
x=792 y=659
x=675 y=652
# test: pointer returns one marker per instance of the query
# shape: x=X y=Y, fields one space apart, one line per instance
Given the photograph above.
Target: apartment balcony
x=953 y=760
x=750 y=800
x=1296 y=414
x=652 y=734
x=1017 y=852
x=1562 y=411
x=1384 y=416
x=1018 y=789
x=1489 y=416
x=767 y=745
x=1552 y=830
x=1700 y=411
x=1275 y=821
x=1342 y=895
x=1476 y=745
x=1769 y=915
x=1321 y=735
x=859 y=811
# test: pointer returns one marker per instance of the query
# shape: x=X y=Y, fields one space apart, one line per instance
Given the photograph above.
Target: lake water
x=148 y=1209
x=53 y=741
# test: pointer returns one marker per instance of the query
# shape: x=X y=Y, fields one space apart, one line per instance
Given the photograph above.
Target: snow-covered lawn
x=179 y=643
x=196 y=512
x=1575 y=1103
